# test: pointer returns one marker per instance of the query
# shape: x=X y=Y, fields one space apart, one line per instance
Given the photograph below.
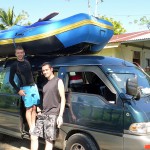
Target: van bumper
x=136 y=142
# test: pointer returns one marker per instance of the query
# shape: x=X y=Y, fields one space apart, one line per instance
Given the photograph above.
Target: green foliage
x=143 y=21
x=8 y=19
x=2 y=27
x=118 y=28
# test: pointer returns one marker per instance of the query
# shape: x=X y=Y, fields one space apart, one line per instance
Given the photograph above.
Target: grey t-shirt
x=51 y=97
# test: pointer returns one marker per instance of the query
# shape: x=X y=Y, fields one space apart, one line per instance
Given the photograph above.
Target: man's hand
x=59 y=121
x=74 y=118
x=21 y=93
x=38 y=110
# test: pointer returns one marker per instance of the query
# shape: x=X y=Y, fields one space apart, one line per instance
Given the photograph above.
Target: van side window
x=89 y=82
x=76 y=83
x=5 y=86
x=91 y=110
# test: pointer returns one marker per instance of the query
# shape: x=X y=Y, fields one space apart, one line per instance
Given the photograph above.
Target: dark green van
x=107 y=108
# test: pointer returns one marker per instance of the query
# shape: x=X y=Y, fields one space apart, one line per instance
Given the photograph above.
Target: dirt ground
x=11 y=143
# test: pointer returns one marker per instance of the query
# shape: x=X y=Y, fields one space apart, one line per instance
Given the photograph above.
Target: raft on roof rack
x=74 y=34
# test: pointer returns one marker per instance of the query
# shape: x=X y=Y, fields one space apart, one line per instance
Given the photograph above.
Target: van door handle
x=15 y=103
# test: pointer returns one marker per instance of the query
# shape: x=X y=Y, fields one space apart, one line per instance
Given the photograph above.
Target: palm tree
x=8 y=19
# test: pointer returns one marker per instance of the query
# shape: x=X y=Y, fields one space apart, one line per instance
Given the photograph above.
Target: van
x=107 y=103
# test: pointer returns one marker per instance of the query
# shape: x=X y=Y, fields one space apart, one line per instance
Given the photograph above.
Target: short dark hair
x=46 y=63
x=19 y=47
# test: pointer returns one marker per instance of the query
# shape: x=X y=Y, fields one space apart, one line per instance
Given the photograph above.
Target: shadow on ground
x=11 y=143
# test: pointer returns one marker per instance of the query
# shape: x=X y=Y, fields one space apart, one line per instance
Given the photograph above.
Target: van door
x=9 y=105
x=93 y=105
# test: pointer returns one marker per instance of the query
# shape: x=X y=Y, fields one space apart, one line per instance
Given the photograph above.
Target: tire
x=80 y=142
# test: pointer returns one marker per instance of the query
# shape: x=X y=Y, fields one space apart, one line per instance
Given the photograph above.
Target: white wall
x=125 y=52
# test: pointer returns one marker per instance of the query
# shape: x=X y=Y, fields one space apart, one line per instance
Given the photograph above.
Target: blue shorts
x=32 y=96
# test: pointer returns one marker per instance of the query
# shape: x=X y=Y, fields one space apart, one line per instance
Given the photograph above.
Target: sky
x=125 y=11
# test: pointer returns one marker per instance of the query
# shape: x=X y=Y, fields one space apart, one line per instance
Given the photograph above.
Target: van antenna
x=89 y=7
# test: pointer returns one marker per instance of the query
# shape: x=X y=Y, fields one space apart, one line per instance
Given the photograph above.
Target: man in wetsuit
x=51 y=117
x=27 y=89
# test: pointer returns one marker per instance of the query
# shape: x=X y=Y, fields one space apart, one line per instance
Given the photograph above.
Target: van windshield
x=120 y=74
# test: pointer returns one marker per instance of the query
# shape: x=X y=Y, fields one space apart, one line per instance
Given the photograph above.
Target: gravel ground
x=11 y=143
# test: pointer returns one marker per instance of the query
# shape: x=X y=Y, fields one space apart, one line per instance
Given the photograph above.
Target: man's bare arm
x=61 y=90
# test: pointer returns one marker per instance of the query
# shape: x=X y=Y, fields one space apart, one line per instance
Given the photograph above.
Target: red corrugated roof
x=130 y=36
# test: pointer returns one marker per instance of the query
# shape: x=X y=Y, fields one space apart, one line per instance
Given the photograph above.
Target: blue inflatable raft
x=78 y=33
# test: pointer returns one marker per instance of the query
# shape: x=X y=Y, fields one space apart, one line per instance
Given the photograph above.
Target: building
x=133 y=47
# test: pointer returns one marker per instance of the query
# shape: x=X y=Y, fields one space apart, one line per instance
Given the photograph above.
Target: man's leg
x=33 y=117
x=48 y=145
x=34 y=142
x=50 y=131
x=28 y=116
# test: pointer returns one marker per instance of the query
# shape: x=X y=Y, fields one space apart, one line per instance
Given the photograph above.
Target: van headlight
x=141 y=128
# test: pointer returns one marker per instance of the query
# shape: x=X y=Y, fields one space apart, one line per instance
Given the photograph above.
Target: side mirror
x=132 y=88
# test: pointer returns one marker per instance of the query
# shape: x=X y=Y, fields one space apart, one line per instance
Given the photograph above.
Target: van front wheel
x=80 y=142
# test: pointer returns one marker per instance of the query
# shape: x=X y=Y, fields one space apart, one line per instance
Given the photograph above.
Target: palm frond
x=9 y=19
x=22 y=16
x=3 y=16
x=10 y=16
x=2 y=27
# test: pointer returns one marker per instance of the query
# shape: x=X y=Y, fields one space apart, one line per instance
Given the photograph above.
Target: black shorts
x=46 y=127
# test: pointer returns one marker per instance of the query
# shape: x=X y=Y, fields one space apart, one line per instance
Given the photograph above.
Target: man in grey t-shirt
x=53 y=107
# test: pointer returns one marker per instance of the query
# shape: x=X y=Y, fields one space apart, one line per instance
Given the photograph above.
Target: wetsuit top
x=23 y=70
x=51 y=97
